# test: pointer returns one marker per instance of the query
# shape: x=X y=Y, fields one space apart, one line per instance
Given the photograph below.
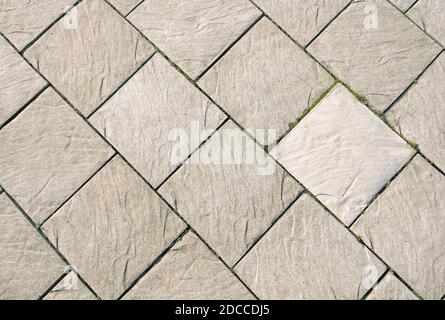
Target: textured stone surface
x=391 y=288
x=46 y=153
x=125 y=6
x=113 y=228
x=403 y=4
x=309 y=255
x=430 y=16
x=342 y=153
x=70 y=288
x=230 y=205
x=420 y=114
x=405 y=226
x=375 y=49
x=303 y=20
x=18 y=81
x=89 y=59
x=139 y=120
x=28 y=265
x=265 y=81
x=23 y=20
x=193 y=33
x=189 y=271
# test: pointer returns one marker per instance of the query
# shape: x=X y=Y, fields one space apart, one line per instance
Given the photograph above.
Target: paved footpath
x=222 y=149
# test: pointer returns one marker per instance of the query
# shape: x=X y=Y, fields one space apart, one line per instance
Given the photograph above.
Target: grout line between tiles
x=47 y=291
x=388 y=270
x=407 y=285
x=131 y=11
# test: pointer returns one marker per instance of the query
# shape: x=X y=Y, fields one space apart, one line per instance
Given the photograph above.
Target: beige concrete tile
x=125 y=6
x=113 y=228
x=430 y=16
x=46 y=153
x=189 y=271
x=405 y=226
x=194 y=33
x=309 y=255
x=70 y=288
x=28 y=265
x=89 y=56
x=143 y=117
x=266 y=81
x=403 y=4
x=391 y=288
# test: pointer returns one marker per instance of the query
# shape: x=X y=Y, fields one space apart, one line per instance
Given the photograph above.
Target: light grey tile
x=46 y=153
x=230 y=200
x=189 y=271
x=303 y=20
x=113 y=228
x=375 y=49
x=430 y=16
x=193 y=33
x=391 y=288
x=125 y=6
x=405 y=226
x=18 y=81
x=28 y=265
x=265 y=82
x=420 y=114
x=144 y=119
x=343 y=153
x=403 y=4
x=23 y=20
x=309 y=255
x=70 y=288
x=89 y=54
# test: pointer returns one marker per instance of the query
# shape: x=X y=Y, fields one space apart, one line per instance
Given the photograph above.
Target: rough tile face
x=28 y=265
x=18 y=81
x=189 y=271
x=420 y=114
x=70 y=288
x=112 y=229
x=391 y=288
x=125 y=6
x=375 y=49
x=46 y=153
x=89 y=59
x=303 y=20
x=229 y=204
x=403 y=4
x=193 y=33
x=266 y=81
x=343 y=153
x=140 y=118
x=430 y=16
x=309 y=255
x=405 y=226
x=23 y=20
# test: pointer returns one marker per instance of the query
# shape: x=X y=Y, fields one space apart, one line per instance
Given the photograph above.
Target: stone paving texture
x=223 y=149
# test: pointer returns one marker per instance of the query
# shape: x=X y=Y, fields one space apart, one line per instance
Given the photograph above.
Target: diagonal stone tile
x=46 y=153
x=70 y=288
x=125 y=6
x=28 y=265
x=309 y=255
x=194 y=33
x=89 y=56
x=18 y=81
x=343 y=153
x=405 y=226
x=113 y=228
x=391 y=288
x=303 y=20
x=227 y=198
x=21 y=21
x=266 y=81
x=403 y=4
x=189 y=271
x=142 y=117
x=420 y=114
x=430 y=16
x=375 y=49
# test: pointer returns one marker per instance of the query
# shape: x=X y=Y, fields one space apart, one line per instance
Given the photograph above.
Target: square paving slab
x=89 y=58
x=194 y=33
x=430 y=16
x=375 y=49
x=343 y=153
x=405 y=226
